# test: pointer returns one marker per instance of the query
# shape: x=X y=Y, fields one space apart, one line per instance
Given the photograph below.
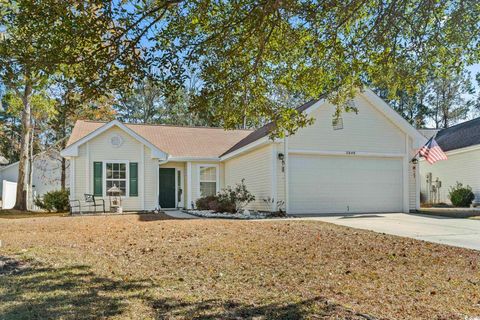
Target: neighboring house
x=360 y=163
x=46 y=175
x=461 y=143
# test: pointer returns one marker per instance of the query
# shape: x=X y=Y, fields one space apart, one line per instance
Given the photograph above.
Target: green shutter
x=133 y=179
x=97 y=179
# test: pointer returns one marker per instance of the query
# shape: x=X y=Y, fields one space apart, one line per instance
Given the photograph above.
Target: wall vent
x=337 y=123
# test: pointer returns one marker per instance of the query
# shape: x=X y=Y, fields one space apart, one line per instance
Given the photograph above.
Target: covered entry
x=344 y=184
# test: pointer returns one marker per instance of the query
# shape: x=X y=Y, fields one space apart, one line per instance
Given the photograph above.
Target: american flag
x=432 y=152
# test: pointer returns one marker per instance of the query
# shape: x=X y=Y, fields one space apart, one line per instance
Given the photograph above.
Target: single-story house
x=46 y=176
x=358 y=163
x=461 y=144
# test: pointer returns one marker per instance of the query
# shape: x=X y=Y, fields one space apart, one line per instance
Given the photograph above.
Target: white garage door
x=335 y=184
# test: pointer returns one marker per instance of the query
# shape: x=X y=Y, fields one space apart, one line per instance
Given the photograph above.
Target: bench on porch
x=89 y=202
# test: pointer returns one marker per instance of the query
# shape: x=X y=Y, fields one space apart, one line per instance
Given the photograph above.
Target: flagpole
x=429 y=140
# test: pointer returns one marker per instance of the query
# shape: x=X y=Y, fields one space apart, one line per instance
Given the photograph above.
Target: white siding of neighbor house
x=46 y=176
x=463 y=167
x=367 y=131
x=100 y=149
x=256 y=168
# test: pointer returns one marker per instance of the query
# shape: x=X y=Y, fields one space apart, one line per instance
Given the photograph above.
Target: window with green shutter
x=133 y=179
x=97 y=179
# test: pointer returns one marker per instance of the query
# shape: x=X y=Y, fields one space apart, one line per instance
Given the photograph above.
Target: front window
x=116 y=175
x=208 y=181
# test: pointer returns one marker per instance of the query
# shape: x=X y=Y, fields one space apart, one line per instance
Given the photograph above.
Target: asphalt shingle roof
x=459 y=136
x=177 y=141
x=265 y=130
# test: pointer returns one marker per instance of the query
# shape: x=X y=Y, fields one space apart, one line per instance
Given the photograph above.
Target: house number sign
x=350 y=152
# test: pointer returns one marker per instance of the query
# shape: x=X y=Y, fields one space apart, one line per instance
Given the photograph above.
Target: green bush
x=54 y=201
x=461 y=196
x=227 y=200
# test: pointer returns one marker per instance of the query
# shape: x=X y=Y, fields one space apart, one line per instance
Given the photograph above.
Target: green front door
x=166 y=193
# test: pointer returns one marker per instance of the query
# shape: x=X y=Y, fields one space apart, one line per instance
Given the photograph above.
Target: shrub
x=54 y=200
x=235 y=198
x=227 y=200
x=461 y=196
x=205 y=202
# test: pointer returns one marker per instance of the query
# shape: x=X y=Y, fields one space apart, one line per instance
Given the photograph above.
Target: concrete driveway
x=455 y=232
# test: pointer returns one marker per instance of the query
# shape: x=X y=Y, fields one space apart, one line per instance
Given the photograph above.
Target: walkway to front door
x=166 y=188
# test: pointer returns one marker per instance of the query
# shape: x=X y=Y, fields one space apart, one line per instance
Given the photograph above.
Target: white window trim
x=127 y=177
x=217 y=176
x=180 y=183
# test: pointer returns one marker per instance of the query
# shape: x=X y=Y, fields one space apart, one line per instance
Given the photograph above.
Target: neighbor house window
x=116 y=174
x=208 y=180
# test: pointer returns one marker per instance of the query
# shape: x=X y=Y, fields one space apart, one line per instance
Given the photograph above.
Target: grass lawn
x=147 y=266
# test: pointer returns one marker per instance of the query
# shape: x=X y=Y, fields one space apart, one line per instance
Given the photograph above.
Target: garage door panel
x=322 y=184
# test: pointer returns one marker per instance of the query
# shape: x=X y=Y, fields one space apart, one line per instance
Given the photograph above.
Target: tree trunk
x=63 y=174
x=21 y=201
x=30 y=166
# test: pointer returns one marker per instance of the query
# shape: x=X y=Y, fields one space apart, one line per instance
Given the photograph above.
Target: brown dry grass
x=147 y=266
x=17 y=214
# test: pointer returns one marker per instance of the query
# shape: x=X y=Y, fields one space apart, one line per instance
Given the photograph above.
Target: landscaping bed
x=239 y=215
x=131 y=267
x=451 y=212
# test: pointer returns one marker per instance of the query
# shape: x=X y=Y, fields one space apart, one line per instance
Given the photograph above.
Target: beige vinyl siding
x=367 y=131
x=150 y=184
x=256 y=168
x=463 y=167
x=100 y=149
x=195 y=177
x=412 y=186
x=280 y=176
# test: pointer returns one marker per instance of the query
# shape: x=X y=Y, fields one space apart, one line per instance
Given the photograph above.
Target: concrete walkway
x=179 y=214
x=451 y=231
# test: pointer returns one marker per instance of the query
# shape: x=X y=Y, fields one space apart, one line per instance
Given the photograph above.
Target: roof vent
x=337 y=123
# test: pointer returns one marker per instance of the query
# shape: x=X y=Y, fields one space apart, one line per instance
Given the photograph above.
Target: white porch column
x=189 y=185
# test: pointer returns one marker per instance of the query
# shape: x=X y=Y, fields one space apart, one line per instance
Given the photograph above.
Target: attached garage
x=344 y=184
x=357 y=163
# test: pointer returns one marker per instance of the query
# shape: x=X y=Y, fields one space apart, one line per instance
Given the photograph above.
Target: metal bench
x=89 y=202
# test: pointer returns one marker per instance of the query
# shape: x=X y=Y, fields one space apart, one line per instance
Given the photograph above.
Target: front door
x=166 y=190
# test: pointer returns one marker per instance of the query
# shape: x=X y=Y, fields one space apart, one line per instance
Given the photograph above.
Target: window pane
x=208 y=173
x=208 y=188
x=123 y=186
x=116 y=175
